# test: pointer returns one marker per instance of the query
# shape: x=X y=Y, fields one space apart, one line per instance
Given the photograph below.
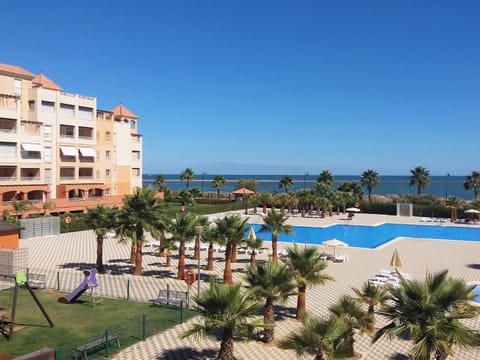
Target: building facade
x=57 y=147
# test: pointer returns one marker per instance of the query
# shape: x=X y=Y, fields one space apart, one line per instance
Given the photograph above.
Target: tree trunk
x=161 y=249
x=133 y=253
x=338 y=210
x=169 y=259
x=252 y=258
x=319 y=356
x=181 y=260
x=269 y=319
x=371 y=319
x=226 y=347
x=350 y=340
x=264 y=208
x=234 y=253
x=99 y=264
x=301 y=301
x=138 y=260
x=227 y=273
x=274 y=249
x=210 y=257
x=196 y=248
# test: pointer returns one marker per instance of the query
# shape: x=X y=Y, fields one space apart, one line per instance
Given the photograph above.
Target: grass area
x=75 y=323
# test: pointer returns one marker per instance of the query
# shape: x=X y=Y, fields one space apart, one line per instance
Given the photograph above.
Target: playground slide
x=89 y=281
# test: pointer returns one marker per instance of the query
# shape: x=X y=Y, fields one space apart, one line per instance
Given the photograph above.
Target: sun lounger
x=340 y=258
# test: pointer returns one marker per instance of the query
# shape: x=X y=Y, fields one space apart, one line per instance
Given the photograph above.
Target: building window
x=107 y=192
x=31 y=105
x=85 y=113
x=48 y=176
x=47 y=154
x=107 y=154
x=136 y=172
x=17 y=87
x=47 y=133
x=135 y=155
x=48 y=106
x=133 y=124
x=108 y=136
x=107 y=172
x=67 y=110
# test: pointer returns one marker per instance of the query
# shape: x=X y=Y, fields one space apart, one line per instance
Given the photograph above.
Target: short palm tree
x=100 y=219
x=420 y=177
x=473 y=182
x=430 y=312
x=275 y=223
x=454 y=203
x=326 y=178
x=22 y=206
x=167 y=246
x=308 y=270
x=323 y=338
x=370 y=180
x=187 y=175
x=160 y=181
x=351 y=313
x=48 y=206
x=254 y=244
x=264 y=198
x=272 y=282
x=372 y=296
x=219 y=182
x=286 y=182
x=225 y=308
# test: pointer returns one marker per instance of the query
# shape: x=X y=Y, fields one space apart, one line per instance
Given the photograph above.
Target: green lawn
x=77 y=322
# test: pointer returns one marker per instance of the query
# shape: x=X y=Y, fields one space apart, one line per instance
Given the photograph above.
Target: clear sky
x=270 y=87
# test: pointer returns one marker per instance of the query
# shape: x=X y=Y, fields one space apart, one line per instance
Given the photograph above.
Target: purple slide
x=89 y=281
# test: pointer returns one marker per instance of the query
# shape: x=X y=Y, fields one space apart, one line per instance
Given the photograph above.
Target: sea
x=442 y=186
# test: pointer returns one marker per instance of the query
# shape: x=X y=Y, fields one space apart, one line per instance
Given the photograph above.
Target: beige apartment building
x=57 y=146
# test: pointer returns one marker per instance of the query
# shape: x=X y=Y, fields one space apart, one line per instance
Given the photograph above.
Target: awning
x=32 y=147
x=87 y=152
x=68 y=150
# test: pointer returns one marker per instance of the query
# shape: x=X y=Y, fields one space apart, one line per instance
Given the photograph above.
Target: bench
x=167 y=297
x=97 y=343
x=36 y=281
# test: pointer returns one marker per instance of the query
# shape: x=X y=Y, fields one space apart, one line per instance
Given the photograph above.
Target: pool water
x=477 y=291
x=372 y=236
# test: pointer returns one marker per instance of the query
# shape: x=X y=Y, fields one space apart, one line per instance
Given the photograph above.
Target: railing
x=76 y=198
x=66 y=136
x=8 y=178
x=30 y=178
x=9 y=131
x=86 y=177
x=67 y=177
x=83 y=137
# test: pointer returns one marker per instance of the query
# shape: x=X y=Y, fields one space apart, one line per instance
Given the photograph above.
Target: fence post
x=181 y=311
x=144 y=325
x=128 y=289
x=58 y=280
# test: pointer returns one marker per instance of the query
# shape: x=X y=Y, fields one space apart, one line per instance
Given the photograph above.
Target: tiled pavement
x=62 y=257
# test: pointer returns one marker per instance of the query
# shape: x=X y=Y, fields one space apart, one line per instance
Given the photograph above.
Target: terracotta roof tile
x=16 y=70
x=42 y=81
x=122 y=111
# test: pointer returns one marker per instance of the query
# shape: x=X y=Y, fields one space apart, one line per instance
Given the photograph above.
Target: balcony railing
x=8 y=178
x=86 y=177
x=67 y=177
x=8 y=131
x=85 y=137
x=30 y=178
x=67 y=136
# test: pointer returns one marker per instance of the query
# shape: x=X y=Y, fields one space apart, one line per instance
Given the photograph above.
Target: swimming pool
x=477 y=291
x=373 y=236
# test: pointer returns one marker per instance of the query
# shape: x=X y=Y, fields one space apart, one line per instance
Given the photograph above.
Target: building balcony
x=30 y=178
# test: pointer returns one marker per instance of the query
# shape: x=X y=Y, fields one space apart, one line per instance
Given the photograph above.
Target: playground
x=78 y=321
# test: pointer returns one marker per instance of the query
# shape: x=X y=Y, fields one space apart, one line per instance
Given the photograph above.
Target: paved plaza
x=61 y=258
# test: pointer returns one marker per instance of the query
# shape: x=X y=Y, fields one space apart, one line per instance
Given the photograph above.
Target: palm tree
x=326 y=178
x=160 y=181
x=351 y=313
x=372 y=296
x=227 y=308
x=323 y=338
x=100 y=219
x=420 y=177
x=371 y=180
x=182 y=229
x=210 y=236
x=167 y=246
x=286 y=182
x=431 y=313
x=265 y=198
x=272 y=282
x=354 y=190
x=218 y=183
x=275 y=223
x=231 y=229
x=473 y=182
x=453 y=203
x=21 y=206
x=140 y=213
x=47 y=207
x=187 y=175
x=254 y=244
x=307 y=267
x=201 y=224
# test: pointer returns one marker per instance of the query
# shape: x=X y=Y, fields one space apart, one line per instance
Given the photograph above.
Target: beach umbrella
x=251 y=234
x=334 y=243
x=471 y=211
x=353 y=209
x=396 y=261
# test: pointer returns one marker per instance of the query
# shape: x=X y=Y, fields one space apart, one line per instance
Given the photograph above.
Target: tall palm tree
x=100 y=219
x=473 y=182
x=219 y=182
x=231 y=229
x=275 y=223
x=286 y=182
x=371 y=180
x=182 y=229
x=372 y=296
x=326 y=178
x=201 y=222
x=308 y=270
x=187 y=175
x=454 y=203
x=351 y=313
x=323 y=338
x=272 y=282
x=140 y=213
x=227 y=308
x=431 y=313
x=420 y=177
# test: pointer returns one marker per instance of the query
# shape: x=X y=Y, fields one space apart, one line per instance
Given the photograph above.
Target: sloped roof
x=122 y=111
x=42 y=81
x=243 y=191
x=16 y=70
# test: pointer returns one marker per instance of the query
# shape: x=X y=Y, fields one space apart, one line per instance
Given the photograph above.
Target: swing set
x=7 y=323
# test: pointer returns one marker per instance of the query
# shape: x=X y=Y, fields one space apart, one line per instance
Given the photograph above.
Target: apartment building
x=57 y=146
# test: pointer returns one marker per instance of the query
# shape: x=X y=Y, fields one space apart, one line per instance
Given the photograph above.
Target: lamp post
x=203 y=175
x=198 y=230
x=305 y=179
x=446 y=186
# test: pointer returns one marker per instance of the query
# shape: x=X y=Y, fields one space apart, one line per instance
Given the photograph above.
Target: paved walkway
x=62 y=257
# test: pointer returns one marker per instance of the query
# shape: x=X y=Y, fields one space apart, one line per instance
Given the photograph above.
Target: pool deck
x=67 y=254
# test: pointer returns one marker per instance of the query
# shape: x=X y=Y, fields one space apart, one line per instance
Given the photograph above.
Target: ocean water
x=389 y=185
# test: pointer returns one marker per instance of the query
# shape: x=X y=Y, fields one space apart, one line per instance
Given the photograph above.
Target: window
x=107 y=192
x=133 y=124
x=47 y=133
x=107 y=154
x=8 y=149
x=31 y=105
x=107 y=172
x=17 y=86
x=47 y=154
x=108 y=135
x=135 y=155
x=136 y=172
x=48 y=106
x=85 y=113
x=48 y=176
x=67 y=110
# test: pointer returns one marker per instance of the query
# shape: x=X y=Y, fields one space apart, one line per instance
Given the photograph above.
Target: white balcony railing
x=30 y=178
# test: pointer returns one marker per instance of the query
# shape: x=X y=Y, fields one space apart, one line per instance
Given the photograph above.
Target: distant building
x=56 y=146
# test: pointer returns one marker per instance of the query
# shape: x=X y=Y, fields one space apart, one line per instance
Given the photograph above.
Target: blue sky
x=270 y=87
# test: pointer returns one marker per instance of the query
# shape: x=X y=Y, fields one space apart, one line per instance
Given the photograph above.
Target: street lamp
x=198 y=231
x=305 y=179
x=446 y=186
x=203 y=175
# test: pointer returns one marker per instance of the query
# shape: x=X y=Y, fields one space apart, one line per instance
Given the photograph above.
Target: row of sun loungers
x=386 y=277
x=337 y=258
x=429 y=219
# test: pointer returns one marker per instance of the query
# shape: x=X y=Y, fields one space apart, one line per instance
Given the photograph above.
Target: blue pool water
x=373 y=236
x=477 y=290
